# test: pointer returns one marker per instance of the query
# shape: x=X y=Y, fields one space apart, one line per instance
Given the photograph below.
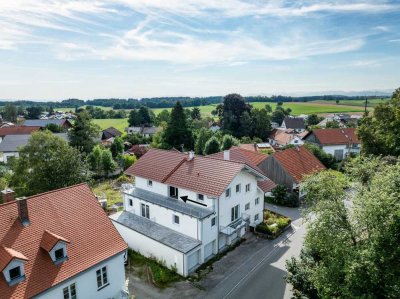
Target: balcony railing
x=235 y=226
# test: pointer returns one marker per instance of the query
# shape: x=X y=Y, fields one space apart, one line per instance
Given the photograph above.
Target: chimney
x=23 y=210
x=191 y=155
x=8 y=195
x=255 y=146
x=227 y=155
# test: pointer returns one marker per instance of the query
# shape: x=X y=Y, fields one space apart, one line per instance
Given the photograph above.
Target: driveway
x=255 y=269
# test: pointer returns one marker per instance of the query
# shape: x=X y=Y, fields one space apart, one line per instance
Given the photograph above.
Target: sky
x=55 y=49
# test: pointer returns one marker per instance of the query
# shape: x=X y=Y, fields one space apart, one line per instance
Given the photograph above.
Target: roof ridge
x=173 y=170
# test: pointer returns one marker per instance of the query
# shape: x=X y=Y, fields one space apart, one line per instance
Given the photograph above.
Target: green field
x=360 y=103
x=118 y=123
x=73 y=109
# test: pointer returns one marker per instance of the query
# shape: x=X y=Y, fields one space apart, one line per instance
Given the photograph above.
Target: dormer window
x=56 y=246
x=12 y=264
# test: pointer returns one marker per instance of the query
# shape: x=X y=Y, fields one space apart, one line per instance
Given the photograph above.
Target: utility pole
x=366 y=104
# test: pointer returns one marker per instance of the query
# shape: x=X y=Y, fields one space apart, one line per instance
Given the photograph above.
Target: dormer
x=56 y=246
x=12 y=265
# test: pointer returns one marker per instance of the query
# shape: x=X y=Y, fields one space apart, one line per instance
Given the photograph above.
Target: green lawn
x=118 y=123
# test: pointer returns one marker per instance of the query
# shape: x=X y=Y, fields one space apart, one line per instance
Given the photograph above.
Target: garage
x=193 y=259
x=208 y=249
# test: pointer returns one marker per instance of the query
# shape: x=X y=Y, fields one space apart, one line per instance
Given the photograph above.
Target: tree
x=146 y=116
x=107 y=162
x=54 y=128
x=203 y=135
x=195 y=113
x=268 y=108
x=163 y=116
x=313 y=119
x=178 y=133
x=128 y=160
x=278 y=116
x=246 y=125
x=94 y=159
x=84 y=133
x=46 y=163
x=212 y=146
x=261 y=123
x=134 y=119
x=327 y=159
x=337 y=102
x=380 y=133
x=10 y=113
x=228 y=141
x=117 y=147
x=34 y=112
x=332 y=124
x=350 y=251
x=234 y=106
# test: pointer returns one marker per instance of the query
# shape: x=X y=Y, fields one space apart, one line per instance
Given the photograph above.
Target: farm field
x=73 y=109
x=118 y=123
x=371 y=102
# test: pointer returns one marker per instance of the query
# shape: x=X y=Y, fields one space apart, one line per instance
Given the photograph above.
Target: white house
x=184 y=209
x=339 y=142
x=282 y=137
x=294 y=123
x=59 y=244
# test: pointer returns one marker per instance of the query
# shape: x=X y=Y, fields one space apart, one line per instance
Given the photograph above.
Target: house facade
x=187 y=208
x=294 y=123
x=59 y=244
x=340 y=142
x=283 y=137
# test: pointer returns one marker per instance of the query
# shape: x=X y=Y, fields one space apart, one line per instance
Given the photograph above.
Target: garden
x=273 y=225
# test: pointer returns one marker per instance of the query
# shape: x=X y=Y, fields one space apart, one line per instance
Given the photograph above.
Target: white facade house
x=187 y=216
x=49 y=250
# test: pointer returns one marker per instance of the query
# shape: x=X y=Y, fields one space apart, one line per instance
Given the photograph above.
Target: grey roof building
x=65 y=123
x=295 y=123
x=12 y=143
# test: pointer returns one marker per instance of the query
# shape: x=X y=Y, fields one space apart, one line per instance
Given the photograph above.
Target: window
x=247 y=187
x=70 y=292
x=145 y=209
x=102 y=280
x=213 y=221
x=255 y=217
x=150 y=183
x=257 y=201
x=228 y=192
x=59 y=253
x=200 y=197
x=173 y=192
x=176 y=219
x=15 y=273
x=237 y=188
x=247 y=206
x=235 y=213
x=130 y=202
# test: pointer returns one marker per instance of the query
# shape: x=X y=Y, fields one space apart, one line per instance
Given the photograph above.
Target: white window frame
x=257 y=201
x=200 y=197
x=236 y=188
x=69 y=292
x=228 y=192
x=235 y=213
x=102 y=274
x=17 y=277
x=130 y=202
x=150 y=183
x=169 y=192
x=247 y=206
x=145 y=210
x=214 y=219
x=256 y=217
x=248 y=187
x=174 y=218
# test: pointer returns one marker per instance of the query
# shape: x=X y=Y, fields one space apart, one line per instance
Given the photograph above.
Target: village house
x=63 y=123
x=110 y=132
x=290 y=166
x=339 y=142
x=16 y=130
x=11 y=145
x=59 y=244
x=184 y=209
x=283 y=137
x=294 y=123
x=258 y=147
x=143 y=131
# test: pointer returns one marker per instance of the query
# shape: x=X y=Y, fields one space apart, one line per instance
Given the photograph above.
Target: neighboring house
x=59 y=244
x=6 y=124
x=184 y=209
x=11 y=144
x=290 y=166
x=257 y=147
x=144 y=131
x=215 y=128
x=274 y=125
x=111 y=132
x=294 y=123
x=282 y=137
x=251 y=158
x=17 y=130
x=64 y=123
x=337 y=142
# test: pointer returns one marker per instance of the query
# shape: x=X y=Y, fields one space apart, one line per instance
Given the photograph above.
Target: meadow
x=118 y=123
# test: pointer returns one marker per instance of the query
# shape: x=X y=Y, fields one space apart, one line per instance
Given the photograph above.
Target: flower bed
x=273 y=225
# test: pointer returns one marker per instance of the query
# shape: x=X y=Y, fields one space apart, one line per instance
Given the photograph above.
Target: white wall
x=149 y=247
x=86 y=282
x=13 y=264
x=7 y=155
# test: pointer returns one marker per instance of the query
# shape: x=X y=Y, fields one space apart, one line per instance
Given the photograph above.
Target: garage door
x=193 y=259
x=208 y=249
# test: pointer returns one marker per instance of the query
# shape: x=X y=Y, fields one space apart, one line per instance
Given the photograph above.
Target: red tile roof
x=18 y=130
x=49 y=240
x=298 y=162
x=205 y=175
x=7 y=255
x=336 y=136
x=266 y=185
x=283 y=136
x=239 y=154
x=72 y=213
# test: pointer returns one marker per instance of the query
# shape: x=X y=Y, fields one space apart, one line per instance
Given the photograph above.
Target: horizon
x=56 y=50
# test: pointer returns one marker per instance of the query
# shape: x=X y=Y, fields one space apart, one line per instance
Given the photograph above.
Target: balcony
x=235 y=226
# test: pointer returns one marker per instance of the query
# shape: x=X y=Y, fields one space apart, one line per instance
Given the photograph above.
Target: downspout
x=218 y=226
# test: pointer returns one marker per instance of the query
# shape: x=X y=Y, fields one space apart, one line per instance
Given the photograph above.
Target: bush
x=282 y=197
